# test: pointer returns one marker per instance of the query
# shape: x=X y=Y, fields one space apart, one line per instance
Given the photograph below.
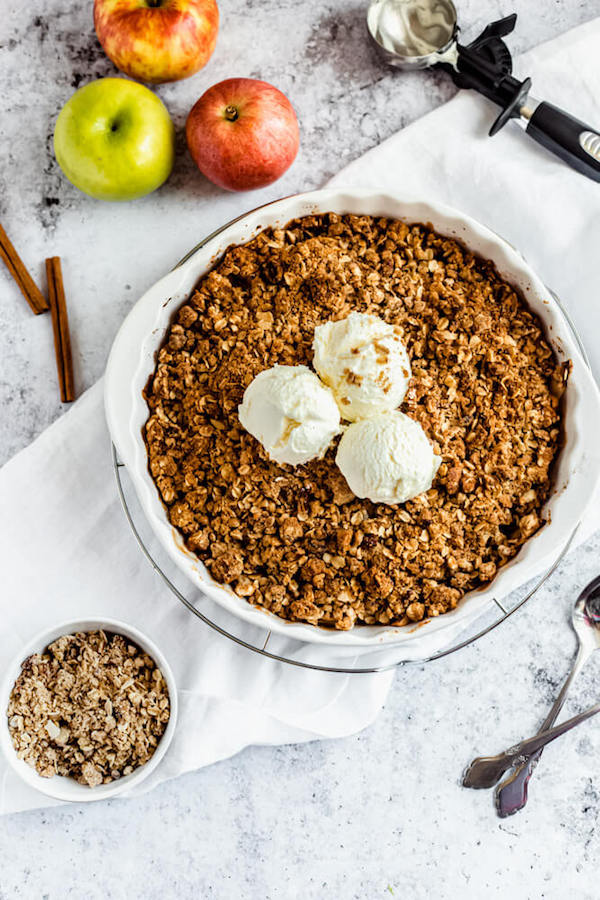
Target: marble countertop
x=380 y=814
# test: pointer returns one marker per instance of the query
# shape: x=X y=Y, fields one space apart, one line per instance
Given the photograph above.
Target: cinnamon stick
x=60 y=327
x=17 y=269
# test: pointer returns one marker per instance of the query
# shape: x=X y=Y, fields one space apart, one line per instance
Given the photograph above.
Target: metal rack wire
x=284 y=650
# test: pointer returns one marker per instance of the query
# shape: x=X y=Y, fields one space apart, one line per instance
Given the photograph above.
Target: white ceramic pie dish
x=133 y=357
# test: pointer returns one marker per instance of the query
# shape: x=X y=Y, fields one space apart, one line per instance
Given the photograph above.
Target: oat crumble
x=485 y=387
x=92 y=705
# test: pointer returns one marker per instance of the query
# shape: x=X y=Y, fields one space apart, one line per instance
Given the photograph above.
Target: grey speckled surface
x=377 y=815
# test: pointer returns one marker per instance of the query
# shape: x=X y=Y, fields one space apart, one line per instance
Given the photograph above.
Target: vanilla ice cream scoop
x=364 y=362
x=387 y=458
x=291 y=413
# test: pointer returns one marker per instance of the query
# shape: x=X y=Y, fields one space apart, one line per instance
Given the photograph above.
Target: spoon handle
x=479 y=775
x=481 y=769
x=512 y=793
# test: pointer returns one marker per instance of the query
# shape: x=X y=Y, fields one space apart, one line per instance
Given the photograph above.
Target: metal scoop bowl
x=413 y=34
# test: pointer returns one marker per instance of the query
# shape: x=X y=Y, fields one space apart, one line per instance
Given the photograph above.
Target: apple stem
x=231 y=113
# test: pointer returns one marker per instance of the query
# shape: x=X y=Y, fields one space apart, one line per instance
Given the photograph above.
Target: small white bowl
x=61 y=787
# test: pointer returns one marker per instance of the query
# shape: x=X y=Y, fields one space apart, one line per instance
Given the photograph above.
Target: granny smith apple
x=114 y=140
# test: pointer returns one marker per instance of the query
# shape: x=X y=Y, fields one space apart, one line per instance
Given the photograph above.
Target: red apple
x=157 y=40
x=242 y=133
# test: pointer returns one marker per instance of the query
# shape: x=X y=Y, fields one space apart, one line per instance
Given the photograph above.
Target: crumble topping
x=486 y=389
x=92 y=706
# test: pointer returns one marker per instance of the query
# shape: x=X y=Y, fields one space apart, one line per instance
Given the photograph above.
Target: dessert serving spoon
x=523 y=751
x=485 y=771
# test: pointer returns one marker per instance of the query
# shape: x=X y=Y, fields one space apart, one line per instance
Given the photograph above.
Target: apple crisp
x=91 y=705
x=485 y=387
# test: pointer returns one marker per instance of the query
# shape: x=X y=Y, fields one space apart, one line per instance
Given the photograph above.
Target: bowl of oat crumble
x=89 y=710
x=499 y=386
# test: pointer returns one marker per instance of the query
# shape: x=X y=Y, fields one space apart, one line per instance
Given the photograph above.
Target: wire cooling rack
x=273 y=646
x=268 y=644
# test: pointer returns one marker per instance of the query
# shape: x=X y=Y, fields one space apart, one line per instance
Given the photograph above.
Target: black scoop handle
x=575 y=142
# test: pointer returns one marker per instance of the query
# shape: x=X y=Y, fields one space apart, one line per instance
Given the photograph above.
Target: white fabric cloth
x=66 y=550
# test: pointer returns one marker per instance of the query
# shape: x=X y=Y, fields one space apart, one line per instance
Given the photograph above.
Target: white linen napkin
x=66 y=550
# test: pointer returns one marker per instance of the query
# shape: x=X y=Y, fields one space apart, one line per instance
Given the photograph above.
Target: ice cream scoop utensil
x=415 y=34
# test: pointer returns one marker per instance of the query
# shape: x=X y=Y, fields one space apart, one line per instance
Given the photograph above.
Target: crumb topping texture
x=485 y=387
x=92 y=706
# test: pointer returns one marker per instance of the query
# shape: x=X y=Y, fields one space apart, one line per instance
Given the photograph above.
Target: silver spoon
x=524 y=750
x=485 y=771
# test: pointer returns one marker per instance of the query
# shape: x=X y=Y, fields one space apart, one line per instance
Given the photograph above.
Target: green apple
x=114 y=140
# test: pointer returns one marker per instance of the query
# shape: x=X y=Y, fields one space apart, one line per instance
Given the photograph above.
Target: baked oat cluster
x=485 y=388
x=92 y=705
